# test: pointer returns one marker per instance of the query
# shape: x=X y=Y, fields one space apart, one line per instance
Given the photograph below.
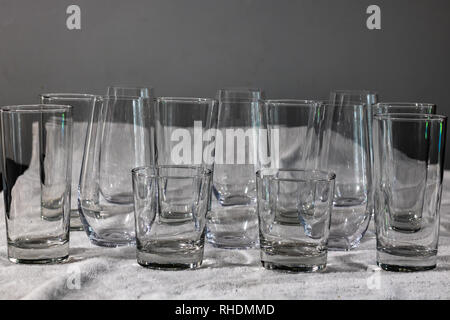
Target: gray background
x=292 y=49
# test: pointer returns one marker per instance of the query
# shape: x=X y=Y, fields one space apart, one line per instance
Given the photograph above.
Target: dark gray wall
x=293 y=49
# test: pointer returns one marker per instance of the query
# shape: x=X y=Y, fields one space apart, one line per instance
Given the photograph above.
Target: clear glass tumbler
x=367 y=98
x=232 y=219
x=171 y=204
x=298 y=244
x=82 y=106
x=349 y=159
x=36 y=162
x=409 y=166
x=119 y=138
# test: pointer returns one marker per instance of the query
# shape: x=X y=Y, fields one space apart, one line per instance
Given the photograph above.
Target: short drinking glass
x=170 y=204
x=301 y=244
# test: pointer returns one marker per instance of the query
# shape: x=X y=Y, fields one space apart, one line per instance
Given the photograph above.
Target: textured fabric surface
x=103 y=273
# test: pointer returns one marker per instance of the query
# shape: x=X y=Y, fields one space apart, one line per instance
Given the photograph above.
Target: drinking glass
x=118 y=139
x=185 y=131
x=170 y=222
x=129 y=91
x=232 y=218
x=349 y=159
x=404 y=107
x=364 y=97
x=82 y=106
x=36 y=162
x=298 y=244
x=409 y=163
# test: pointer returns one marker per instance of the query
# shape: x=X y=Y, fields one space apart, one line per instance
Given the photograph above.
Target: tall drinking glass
x=82 y=106
x=232 y=219
x=170 y=221
x=409 y=166
x=118 y=139
x=349 y=159
x=364 y=97
x=36 y=162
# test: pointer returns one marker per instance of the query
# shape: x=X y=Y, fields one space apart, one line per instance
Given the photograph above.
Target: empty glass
x=404 y=107
x=409 y=158
x=232 y=219
x=118 y=139
x=36 y=162
x=128 y=91
x=170 y=204
x=185 y=131
x=349 y=159
x=82 y=106
x=298 y=244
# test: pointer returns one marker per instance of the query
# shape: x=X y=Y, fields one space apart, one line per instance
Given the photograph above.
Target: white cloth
x=104 y=273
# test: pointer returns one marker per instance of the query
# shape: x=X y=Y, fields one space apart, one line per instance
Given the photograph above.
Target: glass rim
x=36 y=108
x=241 y=89
x=398 y=116
x=127 y=98
x=293 y=102
x=404 y=104
x=186 y=100
x=144 y=171
x=372 y=92
x=123 y=86
x=67 y=96
x=350 y=103
x=241 y=100
x=318 y=175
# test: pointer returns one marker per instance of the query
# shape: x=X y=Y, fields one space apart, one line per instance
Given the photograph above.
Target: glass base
x=233 y=227
x=293 y=257
x=171 y=255
x=168 y=267
x=342 y=244
x=112 y=238
x=293 y=268
x=75 y=221
x=38 y=252
x=38 y=261
x=349 y=222
x=230 y=240
x=406 y=260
